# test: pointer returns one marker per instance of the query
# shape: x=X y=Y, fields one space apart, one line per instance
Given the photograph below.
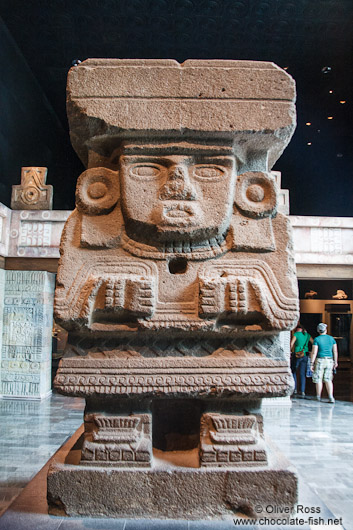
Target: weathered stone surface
x=128 y=373
x=27 y=334
x=125 y=441
x=170 y=491
x=32 y=193
x=231 y=440
x=175 y=279
x=132 y=98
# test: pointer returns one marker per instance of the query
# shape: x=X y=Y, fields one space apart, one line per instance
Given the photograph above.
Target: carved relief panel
x=32 y=193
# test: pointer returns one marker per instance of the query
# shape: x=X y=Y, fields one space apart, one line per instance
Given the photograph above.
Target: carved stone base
x=167 y=491
x=231 y=440
x=117 y=440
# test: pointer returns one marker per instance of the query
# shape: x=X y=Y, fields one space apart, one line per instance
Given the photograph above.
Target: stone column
x=26 y=303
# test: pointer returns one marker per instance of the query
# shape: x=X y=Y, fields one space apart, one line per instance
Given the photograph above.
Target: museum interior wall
x=29 y=242
x=29 y=250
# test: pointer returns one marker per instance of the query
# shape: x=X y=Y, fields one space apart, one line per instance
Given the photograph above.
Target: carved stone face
x=177 y=197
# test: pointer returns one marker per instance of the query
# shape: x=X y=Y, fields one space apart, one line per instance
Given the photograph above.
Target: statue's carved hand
x=123 y=295
x=135 y=295
x=229 y=295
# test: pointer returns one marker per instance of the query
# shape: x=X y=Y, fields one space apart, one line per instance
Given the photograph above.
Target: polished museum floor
x=316 y=437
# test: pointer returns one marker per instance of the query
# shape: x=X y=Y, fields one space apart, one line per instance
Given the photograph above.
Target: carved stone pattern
x=88 y=282
x=326 y=240
x=35 y=234
x=258 y=275
x=231 y=440
x=245 y=384
x=117 y=440
x=210 y=248
x=26 y=335
x=33 y=193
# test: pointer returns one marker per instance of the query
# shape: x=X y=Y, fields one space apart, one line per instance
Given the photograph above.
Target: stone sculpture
x=310 y=294
x=176 y=277
x=26 y=303
x=32 y=193
x=340 y=295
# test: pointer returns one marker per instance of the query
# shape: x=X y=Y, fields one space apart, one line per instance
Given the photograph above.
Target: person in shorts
x=323 y=361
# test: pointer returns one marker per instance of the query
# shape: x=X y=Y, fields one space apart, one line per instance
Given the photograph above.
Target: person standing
x=324 y=359
x=299 y=362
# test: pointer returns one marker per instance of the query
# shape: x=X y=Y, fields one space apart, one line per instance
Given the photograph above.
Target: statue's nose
x=178 y=185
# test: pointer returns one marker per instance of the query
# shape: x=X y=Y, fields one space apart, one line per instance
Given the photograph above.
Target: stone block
x=166 y=98
x=170 y=491
x=36 y=234
x=5 y=222
x=27 y=334
x=32 y=193
x=117 y=440
x=231 y=440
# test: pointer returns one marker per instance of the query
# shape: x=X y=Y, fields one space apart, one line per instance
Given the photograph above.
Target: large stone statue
x=176 y=277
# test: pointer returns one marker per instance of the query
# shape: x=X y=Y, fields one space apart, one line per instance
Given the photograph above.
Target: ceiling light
x=330 y=117
x=343 y=101
x=330 y=91
x=308 y=123
x=309 y=143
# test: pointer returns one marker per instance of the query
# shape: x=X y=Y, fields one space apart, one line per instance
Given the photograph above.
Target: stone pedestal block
x=27 y=334
x=117 y=440
x=231 y=440
x=175 y=487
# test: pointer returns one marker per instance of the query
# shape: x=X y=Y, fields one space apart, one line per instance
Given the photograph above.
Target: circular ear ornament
x=256 y=194
x=97 y=191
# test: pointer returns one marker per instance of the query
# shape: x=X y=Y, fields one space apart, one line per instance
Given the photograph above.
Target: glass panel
x=340 y=330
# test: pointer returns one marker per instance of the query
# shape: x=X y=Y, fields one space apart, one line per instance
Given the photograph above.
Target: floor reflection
x=316 y=437
x=31 y=432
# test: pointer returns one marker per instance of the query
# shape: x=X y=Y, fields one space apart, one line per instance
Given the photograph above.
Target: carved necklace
x=200 y=250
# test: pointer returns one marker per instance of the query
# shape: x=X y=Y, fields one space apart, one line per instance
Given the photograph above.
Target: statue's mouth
x=179 y=214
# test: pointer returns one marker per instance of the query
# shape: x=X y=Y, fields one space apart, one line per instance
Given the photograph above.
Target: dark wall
x=30 y=132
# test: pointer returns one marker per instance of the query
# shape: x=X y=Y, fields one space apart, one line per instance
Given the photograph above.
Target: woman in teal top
x=300 y=343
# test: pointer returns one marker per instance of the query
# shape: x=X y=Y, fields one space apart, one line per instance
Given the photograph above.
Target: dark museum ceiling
x=313 y=39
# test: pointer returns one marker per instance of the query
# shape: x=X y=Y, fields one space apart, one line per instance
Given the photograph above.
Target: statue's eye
x=209 y=172
x=145 y=171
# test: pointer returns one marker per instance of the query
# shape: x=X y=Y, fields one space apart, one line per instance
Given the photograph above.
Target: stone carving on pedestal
x=122 y=440
x=231 y=440
x=33 y=193
x=27 y=308
x=176 y=277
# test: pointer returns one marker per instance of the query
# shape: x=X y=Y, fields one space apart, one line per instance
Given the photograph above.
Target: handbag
x=300 y=354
